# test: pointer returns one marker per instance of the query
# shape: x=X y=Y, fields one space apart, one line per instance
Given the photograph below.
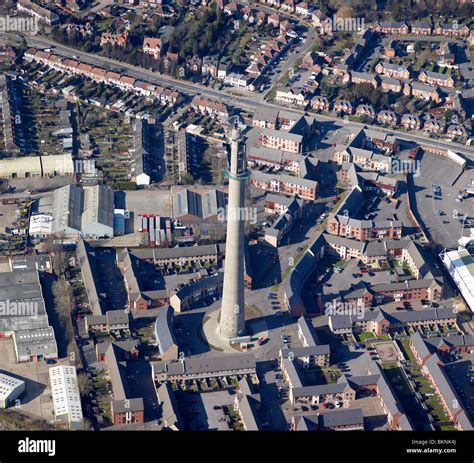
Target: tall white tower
x=232 y=317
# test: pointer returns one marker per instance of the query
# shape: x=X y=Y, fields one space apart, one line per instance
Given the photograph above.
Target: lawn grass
x=405 y=348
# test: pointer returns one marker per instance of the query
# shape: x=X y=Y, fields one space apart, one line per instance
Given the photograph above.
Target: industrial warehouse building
x=84 y=211
x=37 y=344
x=23 y=316
x=37 y=166
x=66 y=397
x=10 y=389
x=189 y=205
x=20 y=293
x=75 y=212
x=460 y=265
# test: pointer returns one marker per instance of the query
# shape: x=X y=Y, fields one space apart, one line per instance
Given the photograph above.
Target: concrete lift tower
x=232 y=316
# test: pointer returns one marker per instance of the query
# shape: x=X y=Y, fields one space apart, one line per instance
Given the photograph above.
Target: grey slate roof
x=177 y=252
x=291 y=179
x=446 y=389
x=248 y=405
x=321 y=389
x=126 y=345
x=420 y=345
x=292 y=372
x=341 y=417
x=164 y=332
x=40 y=262
x=306 y=351
x=169 y=406
x=21 y=290
x=87 y=261
x=38 y=341
x=128 y=405
x=191 y=288
x=205 y=365
x=389 y=397
x=308 y=331
x=199 y=205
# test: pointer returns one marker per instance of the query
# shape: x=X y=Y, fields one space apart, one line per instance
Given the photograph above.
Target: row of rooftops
x=276 y=156
x=212 y=106
x=111 y=318
x=364 y=289
x=376 y=248
x=212 y=366
x=263 y=177
x=448 y=26
x=100 y=73
x=88 y=264
x=331 y=419
x=163 y=330
x=140 y=152
x=392 y=67
x=360 y=178
x=375 y=377
x=286 y=217
x=434 y=367
x=308 y=333
x=156 y=255
x=367 y=224
x=367 y=155
x=37 y=10
x=425 y=347
x=170 y=411
x=206 y=282
x=123 y=402
x=192 y=204
x=338 y=322
x=306 y=265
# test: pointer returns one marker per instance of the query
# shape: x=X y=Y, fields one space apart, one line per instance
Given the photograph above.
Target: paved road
x=247 y=103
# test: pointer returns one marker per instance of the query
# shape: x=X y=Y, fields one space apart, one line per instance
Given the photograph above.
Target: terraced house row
x=97 y=74
x=423 y=284
x=428 y=353
x=453 y=29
